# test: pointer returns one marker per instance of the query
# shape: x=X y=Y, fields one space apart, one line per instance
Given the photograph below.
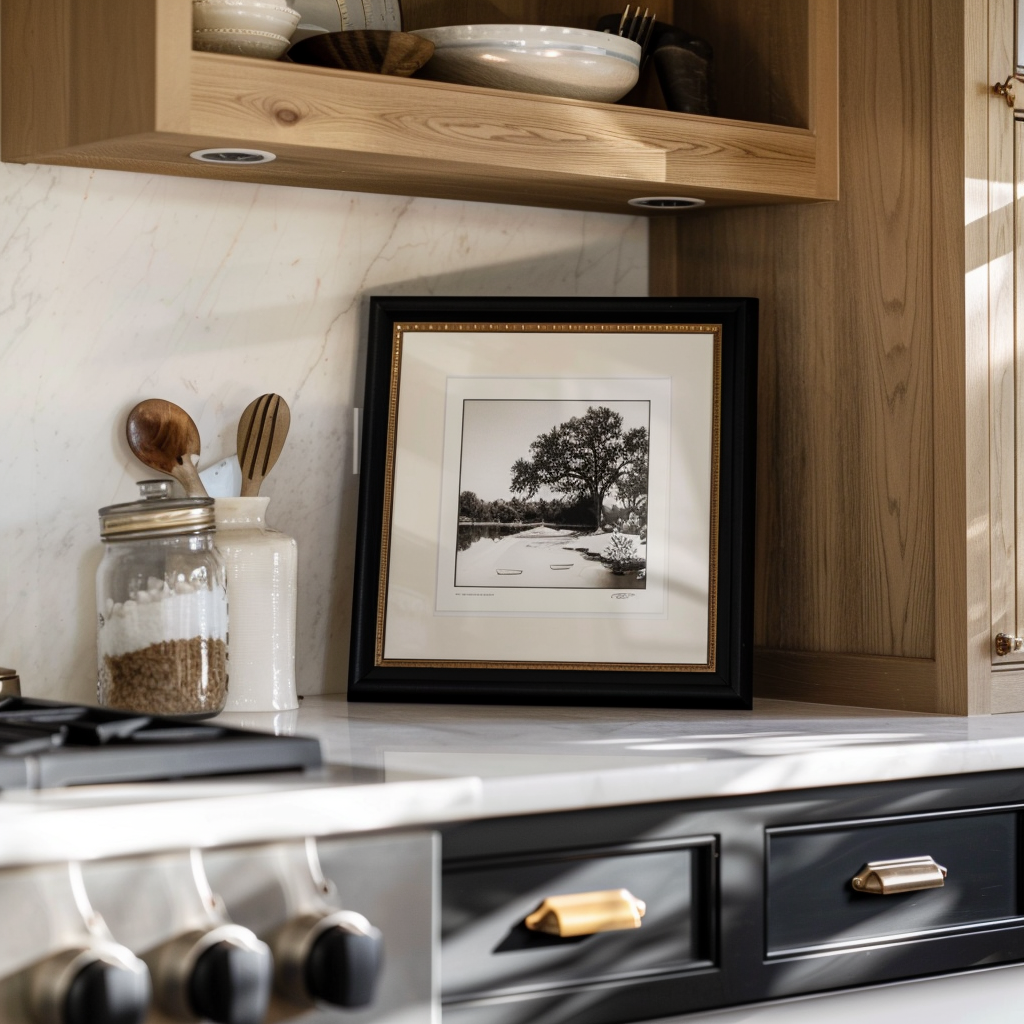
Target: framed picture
x=556 y=502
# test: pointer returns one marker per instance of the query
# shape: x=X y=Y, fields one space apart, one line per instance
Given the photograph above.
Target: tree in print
x=584 y=458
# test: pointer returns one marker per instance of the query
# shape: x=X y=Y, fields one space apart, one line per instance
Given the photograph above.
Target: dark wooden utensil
x=261 y=435
x=372 y=50
x=164 y=437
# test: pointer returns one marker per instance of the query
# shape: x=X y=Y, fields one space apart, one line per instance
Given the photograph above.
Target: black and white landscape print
x=553 y=494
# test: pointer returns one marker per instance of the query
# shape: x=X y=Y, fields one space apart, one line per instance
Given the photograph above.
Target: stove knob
x=343 y=965
x=231 y=981
x=222 y=975
x=104 y=985
x=334 y=958
x=103 y=993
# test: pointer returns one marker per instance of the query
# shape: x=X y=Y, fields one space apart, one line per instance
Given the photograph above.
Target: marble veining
x=116 y=287
x=396 y=766
x=532 y=759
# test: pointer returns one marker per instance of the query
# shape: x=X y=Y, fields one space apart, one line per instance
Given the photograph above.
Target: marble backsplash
x=116 y=287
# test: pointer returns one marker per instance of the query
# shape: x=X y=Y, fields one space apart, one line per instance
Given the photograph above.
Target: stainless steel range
x=157 y=923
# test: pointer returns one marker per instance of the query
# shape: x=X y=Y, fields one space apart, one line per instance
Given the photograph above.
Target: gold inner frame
x=394 y=392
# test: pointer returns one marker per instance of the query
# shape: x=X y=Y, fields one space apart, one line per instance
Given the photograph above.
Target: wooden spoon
x=164 y=437
x=261 y=435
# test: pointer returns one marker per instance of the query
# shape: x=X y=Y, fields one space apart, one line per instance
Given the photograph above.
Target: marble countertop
x=547 y=759
x=395 y=765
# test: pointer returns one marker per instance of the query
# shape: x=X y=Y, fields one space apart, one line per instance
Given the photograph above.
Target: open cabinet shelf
x=115 y=84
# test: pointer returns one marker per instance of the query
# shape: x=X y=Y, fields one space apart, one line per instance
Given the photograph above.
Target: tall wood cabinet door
x=1004 y=268
x=1014 y=627
x=1008 y=364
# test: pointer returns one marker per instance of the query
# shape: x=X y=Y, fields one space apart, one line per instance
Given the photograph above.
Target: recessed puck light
x=666 y=202
x=233 y=156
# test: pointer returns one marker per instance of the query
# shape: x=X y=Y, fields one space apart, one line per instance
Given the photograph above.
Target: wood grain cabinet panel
x=887 y=504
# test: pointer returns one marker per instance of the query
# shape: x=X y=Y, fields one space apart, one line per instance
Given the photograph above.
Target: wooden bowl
x=373 y=50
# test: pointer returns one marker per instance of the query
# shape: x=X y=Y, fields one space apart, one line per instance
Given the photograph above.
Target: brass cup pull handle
x=885 y=877
x=586 y=913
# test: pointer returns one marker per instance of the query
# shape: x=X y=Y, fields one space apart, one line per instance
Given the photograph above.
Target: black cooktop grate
x=46 y=743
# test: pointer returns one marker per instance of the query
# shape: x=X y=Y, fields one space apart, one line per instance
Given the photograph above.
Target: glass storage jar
x=161 y=598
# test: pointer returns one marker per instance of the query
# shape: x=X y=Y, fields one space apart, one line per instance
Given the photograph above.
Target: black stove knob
x=344 y=964
x=231 y=981
x=106 y=984
x=107 y=993
x=333 y=957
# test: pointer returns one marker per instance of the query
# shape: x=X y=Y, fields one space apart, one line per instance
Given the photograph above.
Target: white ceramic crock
x=261 y=568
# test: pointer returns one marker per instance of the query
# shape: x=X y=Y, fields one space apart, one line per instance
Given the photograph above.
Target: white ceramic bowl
x=255 y=15
x=547 y=59
x=242 y=42
x=341 y=15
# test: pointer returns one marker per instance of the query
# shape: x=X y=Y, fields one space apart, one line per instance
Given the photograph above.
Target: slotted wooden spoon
x=261 y=435
x=164 y=437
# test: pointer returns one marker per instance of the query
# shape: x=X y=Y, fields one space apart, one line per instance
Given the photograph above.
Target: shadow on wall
x=549 y=274
x=522 y=277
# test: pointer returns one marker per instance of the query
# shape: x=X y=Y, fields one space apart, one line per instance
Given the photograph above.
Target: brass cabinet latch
x=885 y=877
x=1006 y=644
x=586 y=913
x=1005 y=89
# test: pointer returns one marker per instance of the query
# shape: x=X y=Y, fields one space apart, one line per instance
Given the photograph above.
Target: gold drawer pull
x=886 y=877
x=584 y=913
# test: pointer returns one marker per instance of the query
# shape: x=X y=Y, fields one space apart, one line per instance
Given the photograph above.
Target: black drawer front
x=812 y=904
x=967 y=823
x=489 y=951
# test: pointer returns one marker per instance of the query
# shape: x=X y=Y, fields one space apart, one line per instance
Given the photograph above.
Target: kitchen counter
x=394 y=766
x=529 y=760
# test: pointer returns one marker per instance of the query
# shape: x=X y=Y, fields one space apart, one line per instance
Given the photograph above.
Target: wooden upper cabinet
x=115 y=84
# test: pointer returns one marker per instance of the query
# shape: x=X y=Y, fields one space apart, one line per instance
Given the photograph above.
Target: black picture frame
x=409 y=358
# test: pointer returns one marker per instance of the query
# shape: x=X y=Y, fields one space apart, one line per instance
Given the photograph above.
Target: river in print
x=514 y=555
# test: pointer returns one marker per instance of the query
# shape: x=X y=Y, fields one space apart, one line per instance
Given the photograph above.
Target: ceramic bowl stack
x=571 y=62
x=346 y=16
x=249 y=28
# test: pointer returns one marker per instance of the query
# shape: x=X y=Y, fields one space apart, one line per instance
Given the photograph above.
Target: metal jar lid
x=10 y=684
x=156 y=515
